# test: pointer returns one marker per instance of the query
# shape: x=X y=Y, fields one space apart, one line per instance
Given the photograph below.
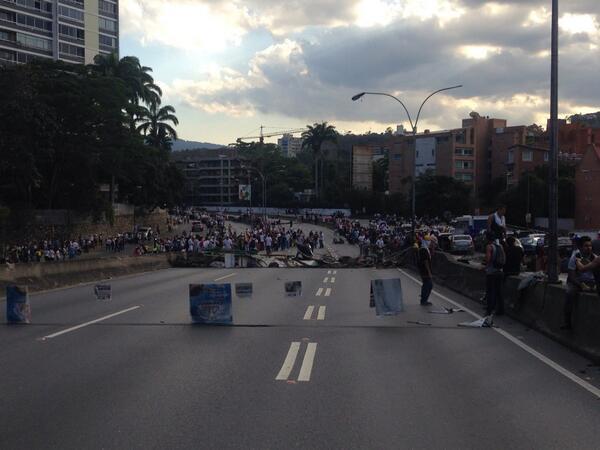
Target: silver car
x=462 y=243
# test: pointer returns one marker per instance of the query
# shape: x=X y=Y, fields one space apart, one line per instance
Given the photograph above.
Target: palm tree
x=138 y=81
x=314 y=137
x=153 y=124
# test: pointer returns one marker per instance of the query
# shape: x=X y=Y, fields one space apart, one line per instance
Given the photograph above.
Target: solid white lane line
x=289 y=362
x=307 y=362
x=91 y=322
x=327 y=292
x=309 y=312
x=321 y=313
x=557 y=367
x=319 y=292
x=226 y=276
x=325 y=280
x=332 y=280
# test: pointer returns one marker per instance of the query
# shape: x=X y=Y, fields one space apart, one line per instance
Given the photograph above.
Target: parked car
x=530 y=243
x=461 y=243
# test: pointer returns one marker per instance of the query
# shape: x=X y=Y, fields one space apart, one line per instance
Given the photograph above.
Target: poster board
x=211 y=304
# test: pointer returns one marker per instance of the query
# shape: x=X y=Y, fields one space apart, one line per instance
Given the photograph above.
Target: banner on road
x=18 y=309
x=243 y=289
x=211 y=303
x=103 y=291
x=293 y=288
x=387 y=296
x=245 y=192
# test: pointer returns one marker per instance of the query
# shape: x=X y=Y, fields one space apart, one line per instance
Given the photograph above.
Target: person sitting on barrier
x=581 y=277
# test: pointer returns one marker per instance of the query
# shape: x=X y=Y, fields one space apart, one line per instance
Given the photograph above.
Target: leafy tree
x=314 y=138
x=436 y=195
x=532 y=191
x=65 y=130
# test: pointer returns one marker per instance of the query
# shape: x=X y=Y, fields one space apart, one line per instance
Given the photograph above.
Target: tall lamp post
x=414 y=134
x=264 y=188
x=553 y=166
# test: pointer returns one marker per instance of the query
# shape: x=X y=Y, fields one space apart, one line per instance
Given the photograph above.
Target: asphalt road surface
x=316 y=371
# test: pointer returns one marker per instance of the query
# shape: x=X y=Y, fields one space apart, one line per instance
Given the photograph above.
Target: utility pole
x=553 y=163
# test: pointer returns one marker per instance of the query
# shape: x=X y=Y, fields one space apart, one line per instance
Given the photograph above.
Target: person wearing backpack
x=495 y=259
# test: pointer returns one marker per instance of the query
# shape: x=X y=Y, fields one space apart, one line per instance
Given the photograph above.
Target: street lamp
x=414 y=134
x=553 y=166
x=264 y=188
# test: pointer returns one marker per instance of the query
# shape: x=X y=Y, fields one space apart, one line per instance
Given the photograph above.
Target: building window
x=460 y=164
x=397 y=156
x=108 y=41
x=34 y=42
x=546 y=156
x=71 y=13
x=466 y=177
x=107 y=7
x=511 y=157
x=106 y=24
x=34 y=4
x=6 y=55
x=34 y=22
x=72 y=32
x=527 y=156
x=461 y=151
x=73 y=50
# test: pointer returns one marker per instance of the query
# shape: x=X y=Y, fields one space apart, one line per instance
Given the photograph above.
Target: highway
x=317 y=371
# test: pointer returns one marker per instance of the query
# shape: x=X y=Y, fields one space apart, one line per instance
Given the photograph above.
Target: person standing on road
x=268 y=244
x=424 y=263
x=495 y=259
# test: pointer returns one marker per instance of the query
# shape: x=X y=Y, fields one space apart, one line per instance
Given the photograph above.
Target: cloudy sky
x=231 y=66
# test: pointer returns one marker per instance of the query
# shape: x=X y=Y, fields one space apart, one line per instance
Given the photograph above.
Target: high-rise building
x=290 y=146
x=74 y=31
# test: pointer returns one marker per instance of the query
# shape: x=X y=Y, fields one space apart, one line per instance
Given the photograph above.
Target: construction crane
x=264 y=135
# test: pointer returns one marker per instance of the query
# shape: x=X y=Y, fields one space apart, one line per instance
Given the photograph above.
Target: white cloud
x=202 y=26
x=478 y=51
x=579 y=23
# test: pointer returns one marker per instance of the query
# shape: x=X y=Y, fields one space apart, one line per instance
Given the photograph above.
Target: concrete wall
x=53 y=275
x=92 y=44
x=539 y=307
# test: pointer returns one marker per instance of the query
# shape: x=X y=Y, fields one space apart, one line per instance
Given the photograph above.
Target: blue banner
x=17 y=305
x=211 y=303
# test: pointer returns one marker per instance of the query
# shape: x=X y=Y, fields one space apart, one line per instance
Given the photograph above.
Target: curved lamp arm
x=357 y=96
x=431 y=95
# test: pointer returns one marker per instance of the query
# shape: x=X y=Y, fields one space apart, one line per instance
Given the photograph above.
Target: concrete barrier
x=42 y=276
x=540 y=306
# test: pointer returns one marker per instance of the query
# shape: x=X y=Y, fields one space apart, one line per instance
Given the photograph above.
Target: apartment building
x=362 y=167
x=212 y=176
x=74 y=31
x=450 y=153
x=587 y=186
x=290 y=146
